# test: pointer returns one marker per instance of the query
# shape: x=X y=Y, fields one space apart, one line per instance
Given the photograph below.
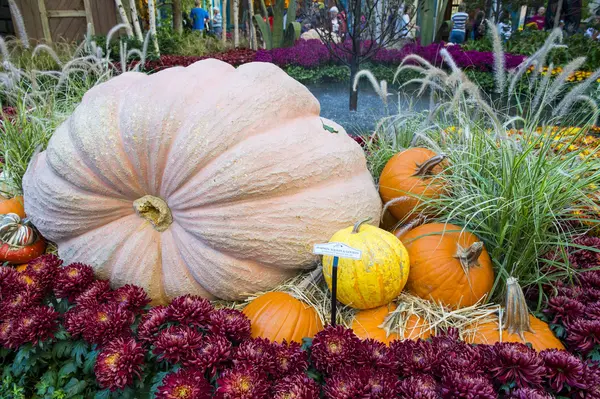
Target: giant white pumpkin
x=206 y=180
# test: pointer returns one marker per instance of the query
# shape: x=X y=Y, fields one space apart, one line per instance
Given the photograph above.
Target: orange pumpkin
x=366 y=325
x=518 y=325
x=410 y=174
x=279 y=316
x=447 y=265
x=13 y=205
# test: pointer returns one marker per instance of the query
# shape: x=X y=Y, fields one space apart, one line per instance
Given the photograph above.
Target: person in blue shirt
x=199 y=17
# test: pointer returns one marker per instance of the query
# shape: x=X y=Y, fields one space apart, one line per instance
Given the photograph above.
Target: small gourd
x=20 y=242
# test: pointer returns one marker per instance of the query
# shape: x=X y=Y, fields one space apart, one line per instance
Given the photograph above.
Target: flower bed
x=66 y=332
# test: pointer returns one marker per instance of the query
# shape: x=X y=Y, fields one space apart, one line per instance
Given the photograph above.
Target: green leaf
x=74 y=387
x=306 y=343
x=90 y=360
x=67 y=369
x=80 y=349
x=61 y=349
x=157 y=382
x=104 y=394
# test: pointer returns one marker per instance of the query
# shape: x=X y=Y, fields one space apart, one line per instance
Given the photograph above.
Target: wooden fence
x=66 y=20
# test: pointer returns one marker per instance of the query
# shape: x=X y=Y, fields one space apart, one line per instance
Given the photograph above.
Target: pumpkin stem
x=516 y=313
x=155 y=210
x=358 y=224
x=426 y=167
x=468 y=257
x=313 y=277
x=17 y=232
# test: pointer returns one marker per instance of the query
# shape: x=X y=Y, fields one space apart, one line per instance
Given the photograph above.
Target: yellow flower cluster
x=587 y=145
x=577 y=76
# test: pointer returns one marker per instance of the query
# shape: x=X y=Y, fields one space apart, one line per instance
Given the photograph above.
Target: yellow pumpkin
x=366 y=324
x=378 y=277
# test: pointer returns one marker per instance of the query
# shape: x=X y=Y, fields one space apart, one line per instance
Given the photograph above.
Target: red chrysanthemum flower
x=381 y=384
x=413 y=356
x=214 y=352
x=190 y=310
x=529 y=393
x=118 y=363
x=73 y=280
x=35 y=325
x=242 y=383
x=419 y=387
x=151 y=323
x=10 y=282
x=105 y=323
x=584 y=258
x=257 y=352
x=289 y=358
x=487 y=356
x=177 y=344
x=456 y=385
x=590 y=380
x=131 y=297
x=334 y=348
x=583 y=335
x=570 y=291
x=18 y=302
x=347 y=383
x=563 y=309
x=562 y=369
x=6 y=327
x=42 y=270
x=297 y=386
x=460 y=357
x=184 y=384
x=94 y=295
x=592 y=311
x=444 y=341
x=519 y=363
x=230 y=323
x=375 y=354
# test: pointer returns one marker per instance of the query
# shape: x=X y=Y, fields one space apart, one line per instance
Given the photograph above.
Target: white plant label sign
x=337 y=249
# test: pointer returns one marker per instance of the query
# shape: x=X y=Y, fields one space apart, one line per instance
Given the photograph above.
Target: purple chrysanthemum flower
x=289 y=358
x=296 y=386
x=213 y=353
x=242 y=383
x=375 y=354
x=562 y=369
x=177 y=344
x=257 y=352
x=456 y=385
x=419 y=387
x=190 y=310
x=529 y=393
x=334 y=348
x=564 y=309
x=413 y=356
x=583 y=335
x=519 y=363
x=231 y=323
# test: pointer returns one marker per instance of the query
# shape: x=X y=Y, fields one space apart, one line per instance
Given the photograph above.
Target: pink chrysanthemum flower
x=375 y=354
x=562 y=369
x=213 y=353
x=118 y=363
x=419 y=387
x=73 y=280
x=94 y=295
x=177 y=344
x=184 y=384
x=297 y=386
x=413 y=356
x=519 y=363
x=10 y=282
x=456 y=385
x=105 y=323
x=231 y=323
x=18 y=302
x=242 y=383
x=131 y=297
x=34 y=325
x=334 y=348
x=257 y=352
x=529 y=393
x=43 y=270
x=151 y=324
x=190 y=310
x=289 y=358
x=564 y=309
x=583 y=335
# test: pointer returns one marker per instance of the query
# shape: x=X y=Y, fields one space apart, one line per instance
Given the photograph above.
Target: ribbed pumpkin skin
x=436 y=274
x=377 y=278
x=366 y=325
x=542 y=337
x=397 y=180
x=241 y=158
x=13 y=205
x=279 y=316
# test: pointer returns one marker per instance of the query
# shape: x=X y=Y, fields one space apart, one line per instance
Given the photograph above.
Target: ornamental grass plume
x=518 y=363
x=184 y=384
x=583 y=335
x=562 y=369
x=257 y=352
x=36 y=324
x=334 y=348
x=376 y=355
x=296 y=386
x=190 y=310
x=456 y=385
x=131 y=297
x=151 y=323
x=230 y=323
x=289 y=358
x=419 y=387
x=413 y=357
x=245 y=382
x=119 y=362
x=213 y=355
x=177 y=344
x=73 y=280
